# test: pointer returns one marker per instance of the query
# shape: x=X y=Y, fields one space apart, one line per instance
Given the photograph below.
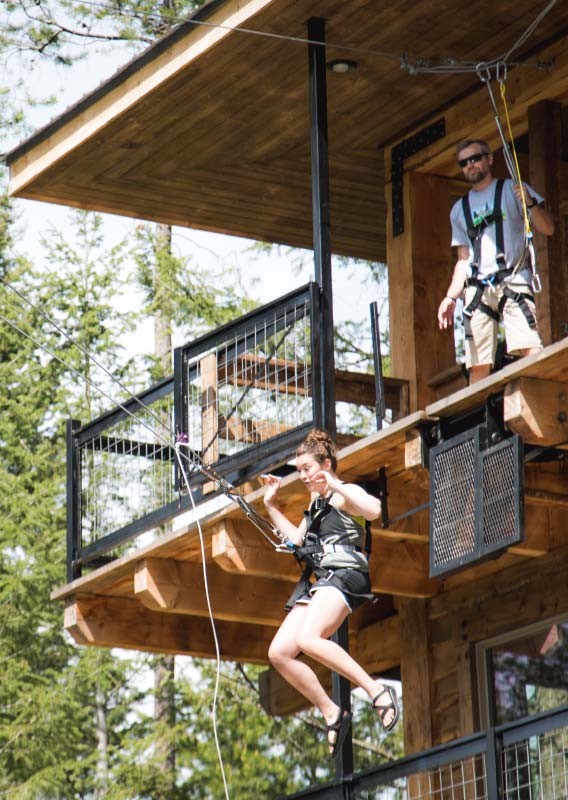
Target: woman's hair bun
x=320 y=445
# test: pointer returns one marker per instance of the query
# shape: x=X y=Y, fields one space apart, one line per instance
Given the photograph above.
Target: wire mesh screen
x=126 y=469
x=453 y=488
x=464 y=779
x=502 y=477
x=249 y=383
x=536 y=768
x=475 y=500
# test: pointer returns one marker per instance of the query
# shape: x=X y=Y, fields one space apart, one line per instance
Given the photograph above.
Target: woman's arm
x=280 y=521
x=352 y=498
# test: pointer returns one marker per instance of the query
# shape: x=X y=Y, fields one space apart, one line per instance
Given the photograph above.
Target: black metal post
x=493 y=765
x=324 y=379
x=324 y=413
x=378 y=363
x=73 y=501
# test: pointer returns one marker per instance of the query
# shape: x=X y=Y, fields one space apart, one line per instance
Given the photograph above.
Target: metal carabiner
x=483 y=72
x=535 y=280
x=501 y=72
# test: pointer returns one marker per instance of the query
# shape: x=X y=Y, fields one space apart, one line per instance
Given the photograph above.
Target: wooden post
x=415 y=674
x=209 y=413
x=545 y=148
x=420 y=266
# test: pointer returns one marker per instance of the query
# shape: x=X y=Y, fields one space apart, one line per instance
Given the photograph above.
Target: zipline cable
x=91 y=358
x=421 y=66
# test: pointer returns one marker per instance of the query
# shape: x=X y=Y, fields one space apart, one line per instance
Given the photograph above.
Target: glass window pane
x=530 y=674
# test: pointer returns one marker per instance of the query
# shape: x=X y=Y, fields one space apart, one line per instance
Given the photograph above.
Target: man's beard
x=477 y=177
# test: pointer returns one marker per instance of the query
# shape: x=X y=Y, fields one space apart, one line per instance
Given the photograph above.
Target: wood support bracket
x=122 y=622
x=178 y=587
x=238 y=547
x=538 y=411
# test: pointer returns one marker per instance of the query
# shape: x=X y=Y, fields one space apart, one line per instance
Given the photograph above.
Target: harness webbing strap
x=521 y=299
x=475 y=230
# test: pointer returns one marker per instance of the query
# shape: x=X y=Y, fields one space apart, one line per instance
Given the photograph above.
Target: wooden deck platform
x=153 y=598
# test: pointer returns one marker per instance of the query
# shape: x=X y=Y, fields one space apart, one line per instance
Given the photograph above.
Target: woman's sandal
x=384 y=709
x=340 y=727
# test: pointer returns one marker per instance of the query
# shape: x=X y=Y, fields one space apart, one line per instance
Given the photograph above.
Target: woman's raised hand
x=273 y=483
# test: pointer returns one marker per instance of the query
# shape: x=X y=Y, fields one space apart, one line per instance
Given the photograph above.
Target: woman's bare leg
x=324 y=615
x=283 y=654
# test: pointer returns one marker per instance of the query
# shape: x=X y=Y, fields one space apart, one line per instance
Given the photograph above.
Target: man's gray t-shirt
x=481 y=204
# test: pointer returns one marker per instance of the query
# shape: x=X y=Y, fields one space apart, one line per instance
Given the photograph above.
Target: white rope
x=211 y=620
x=227 y=488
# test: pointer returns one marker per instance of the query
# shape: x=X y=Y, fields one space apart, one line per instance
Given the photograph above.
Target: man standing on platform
x=494 y=266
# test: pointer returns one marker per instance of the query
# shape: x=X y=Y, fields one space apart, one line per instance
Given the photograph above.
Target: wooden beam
x=415 y=674
x=126 y=93
x=178 y=587
x=238 y=547
x=547 y=485
x=522 y=595
x=420 y=267
x=121 y=622
x=550 y=364
x=537 y=540
x=402 y=568
x=538 y=411
x=284 y=375
x=546 y=152
x=209 y=410
x=397 y=566
x=376 y=647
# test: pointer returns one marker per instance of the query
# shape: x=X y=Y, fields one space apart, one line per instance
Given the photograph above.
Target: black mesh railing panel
x=248 y=385
x=501 y=506
x=537 y=768
x=127 y=470
x=475 y=500
x=454 y=509
x=452 y=498
x=464 y=779
x=524 y=760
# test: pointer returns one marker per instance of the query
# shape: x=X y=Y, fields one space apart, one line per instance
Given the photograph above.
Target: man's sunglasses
x=463 y=162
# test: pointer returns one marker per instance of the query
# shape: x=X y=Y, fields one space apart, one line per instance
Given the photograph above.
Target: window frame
x=484 y=672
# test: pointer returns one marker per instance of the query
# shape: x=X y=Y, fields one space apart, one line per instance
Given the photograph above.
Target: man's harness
x=475 y=232
x=305 y=553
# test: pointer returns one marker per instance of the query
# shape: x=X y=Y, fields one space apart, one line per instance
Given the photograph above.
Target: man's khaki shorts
x=518 y=334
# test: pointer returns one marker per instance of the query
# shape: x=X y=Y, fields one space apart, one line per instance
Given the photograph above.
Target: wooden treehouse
x=309 y=124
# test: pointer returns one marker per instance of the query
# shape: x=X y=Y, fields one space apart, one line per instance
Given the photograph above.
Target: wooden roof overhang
x=210 y=128
x=153 y=598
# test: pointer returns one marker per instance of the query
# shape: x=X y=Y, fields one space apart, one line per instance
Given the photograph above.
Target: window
x=523 y=673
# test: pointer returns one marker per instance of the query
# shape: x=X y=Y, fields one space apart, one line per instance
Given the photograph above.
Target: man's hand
x=521 y=191
x=446 y=313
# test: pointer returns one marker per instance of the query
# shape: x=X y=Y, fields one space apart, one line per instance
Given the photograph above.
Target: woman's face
x=308 y=467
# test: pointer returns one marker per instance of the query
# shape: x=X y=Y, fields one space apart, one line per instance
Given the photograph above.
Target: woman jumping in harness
x=330 y=540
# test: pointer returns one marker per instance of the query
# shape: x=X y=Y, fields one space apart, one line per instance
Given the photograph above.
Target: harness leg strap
x=521 y=300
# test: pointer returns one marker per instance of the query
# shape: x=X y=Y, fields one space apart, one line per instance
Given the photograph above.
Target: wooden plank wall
x=529 y=591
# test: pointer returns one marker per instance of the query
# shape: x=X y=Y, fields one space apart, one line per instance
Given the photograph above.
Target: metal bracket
x=382 y=493
x=409 y=147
